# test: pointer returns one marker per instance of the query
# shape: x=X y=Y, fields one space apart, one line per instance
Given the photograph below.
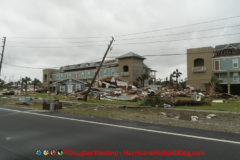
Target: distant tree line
x=22 y=84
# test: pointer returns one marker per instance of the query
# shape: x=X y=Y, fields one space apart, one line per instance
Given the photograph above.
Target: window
x=198 y=62
x=235 y=77
x=78 y=87
x=125 y=68
x=45 y=77
x=62 y=88
x=235 y=63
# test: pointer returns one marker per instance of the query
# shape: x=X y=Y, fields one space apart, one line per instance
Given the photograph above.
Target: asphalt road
x=24 y=131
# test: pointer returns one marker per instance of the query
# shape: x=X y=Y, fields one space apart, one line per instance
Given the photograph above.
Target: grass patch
x=228 y=105
x=90 y=100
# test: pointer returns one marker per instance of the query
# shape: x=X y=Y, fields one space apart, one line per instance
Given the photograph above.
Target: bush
x=153 y=101
x=191 y=103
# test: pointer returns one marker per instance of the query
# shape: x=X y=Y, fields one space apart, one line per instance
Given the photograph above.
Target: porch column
x=229 y=82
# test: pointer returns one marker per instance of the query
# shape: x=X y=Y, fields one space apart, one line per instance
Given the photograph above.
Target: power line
x=157 y=55
x=150 y=42
x=181 y=26
x=211 y=29
x=129 y=34
x=28 y=67
x=87 y=37
x=174 y=40
x=135 y=38
x=61 y=42
x=59 y=46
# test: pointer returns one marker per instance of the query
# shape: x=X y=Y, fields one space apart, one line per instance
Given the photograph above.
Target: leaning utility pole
x=3 y=47
x=94 y=78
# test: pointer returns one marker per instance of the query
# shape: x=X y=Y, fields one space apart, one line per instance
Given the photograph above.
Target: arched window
x=198 y=62
x=125 y=68
x=45 y=77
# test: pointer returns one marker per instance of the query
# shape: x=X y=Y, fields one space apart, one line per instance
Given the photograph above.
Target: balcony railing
x=235 y=80
x=199 y=69
x=125 y=74
x=223 y=80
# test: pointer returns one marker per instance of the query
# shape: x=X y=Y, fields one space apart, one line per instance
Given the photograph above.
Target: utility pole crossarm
x=94 y=78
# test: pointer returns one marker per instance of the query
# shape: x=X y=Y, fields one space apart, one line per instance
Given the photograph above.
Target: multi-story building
x=226 y=66
x=127 y=67
x=221 y=61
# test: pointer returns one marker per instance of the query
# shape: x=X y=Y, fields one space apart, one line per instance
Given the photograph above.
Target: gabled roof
x=130 y=55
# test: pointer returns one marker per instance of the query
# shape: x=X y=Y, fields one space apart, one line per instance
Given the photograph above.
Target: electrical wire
x=28 y=67
x=174 y=40
x=181 y=33
x=175 y=27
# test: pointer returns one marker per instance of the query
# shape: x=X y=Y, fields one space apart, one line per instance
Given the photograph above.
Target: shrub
x=191 y=103
x=153 y=101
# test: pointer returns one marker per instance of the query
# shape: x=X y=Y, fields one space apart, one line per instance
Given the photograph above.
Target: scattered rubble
x=210 y=116
x=194 y=118
x=163 y=113
x=217 y=101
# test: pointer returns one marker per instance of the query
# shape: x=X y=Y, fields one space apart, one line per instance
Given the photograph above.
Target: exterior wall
x=226 y=63
x=135 y=69
x=197 y=79
x=47 y=78
x=86 y=74
x=63 y=88
x=223 y=78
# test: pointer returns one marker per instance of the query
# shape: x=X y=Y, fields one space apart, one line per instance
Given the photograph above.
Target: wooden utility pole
x=94 y=78
x=3 y=47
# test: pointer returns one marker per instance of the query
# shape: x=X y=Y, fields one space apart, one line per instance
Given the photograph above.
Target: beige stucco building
x=199 y=67
x=127 y=67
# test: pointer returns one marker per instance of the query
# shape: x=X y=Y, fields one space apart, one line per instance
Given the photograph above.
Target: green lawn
x=90 y=100
x=228 y=105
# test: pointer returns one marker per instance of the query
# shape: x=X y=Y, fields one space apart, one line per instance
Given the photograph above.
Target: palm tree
x=177 y=74
x=25 y=82
x=2 y=83
x=35 y=83
x=142 y=78
x=214 y=84
x=171 y=79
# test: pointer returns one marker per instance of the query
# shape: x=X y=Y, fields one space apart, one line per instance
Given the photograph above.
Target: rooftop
x=228 y=46
x=130 y=55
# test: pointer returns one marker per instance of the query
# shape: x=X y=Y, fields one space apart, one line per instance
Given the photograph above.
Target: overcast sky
x=52 y=33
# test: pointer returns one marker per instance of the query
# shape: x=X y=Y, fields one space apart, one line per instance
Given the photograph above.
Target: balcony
x=199 y=69
x=223 y=80
x=125 y=74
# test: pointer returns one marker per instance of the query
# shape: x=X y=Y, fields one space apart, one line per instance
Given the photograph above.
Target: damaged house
x=223 y=61
x=68 y=86
x=127 y=68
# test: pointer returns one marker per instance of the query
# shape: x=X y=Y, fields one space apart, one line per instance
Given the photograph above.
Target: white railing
x=199 y=69
x=223 y=80
x=125 y=74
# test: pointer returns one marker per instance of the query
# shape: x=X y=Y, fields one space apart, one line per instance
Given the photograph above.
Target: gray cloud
x=86 y=18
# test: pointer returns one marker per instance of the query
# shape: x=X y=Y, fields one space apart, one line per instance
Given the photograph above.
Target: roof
x=130 y=55
x=228 y=46
x=88 y=65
